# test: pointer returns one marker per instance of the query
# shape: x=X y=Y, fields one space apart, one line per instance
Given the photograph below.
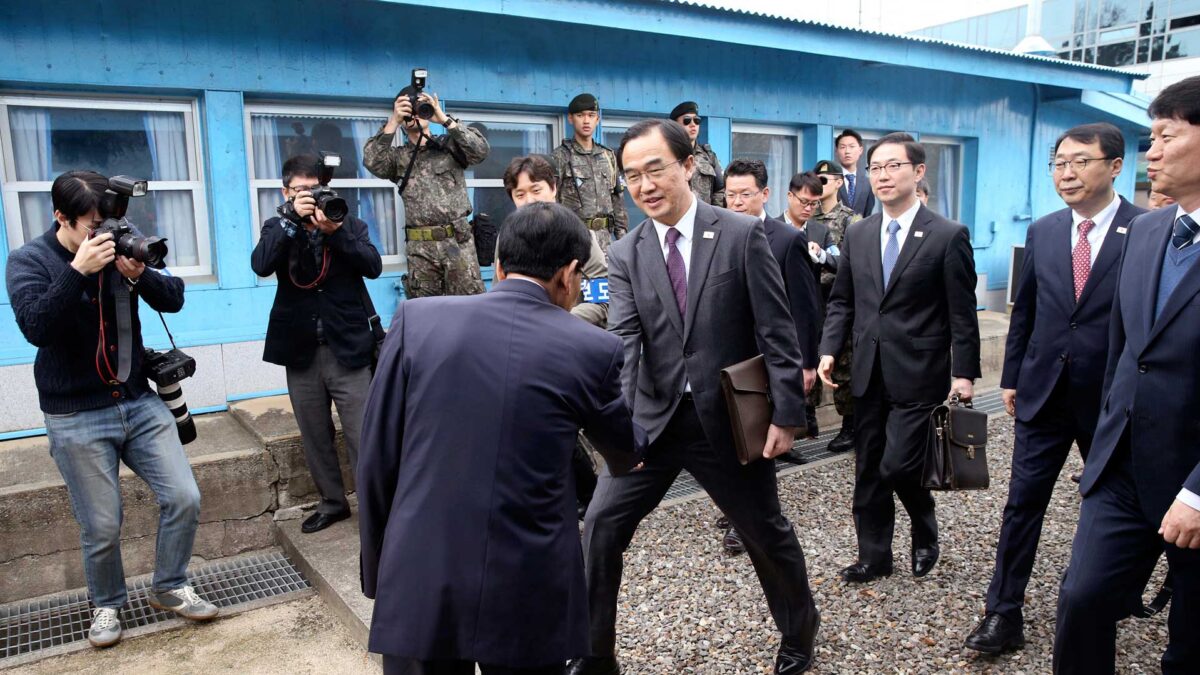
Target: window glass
x=1120 y=54
x=611 y=134
x=779 y=152
x=943 y=169
x=1183 y=44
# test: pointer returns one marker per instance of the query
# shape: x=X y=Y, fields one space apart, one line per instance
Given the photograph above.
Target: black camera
x=328 y=200
x=421 y=109
x=167 y=370
x=151 y=251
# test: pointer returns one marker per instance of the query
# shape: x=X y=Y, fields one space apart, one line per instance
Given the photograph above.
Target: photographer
x=319 y=329
x=64 y=288
x=429 y=171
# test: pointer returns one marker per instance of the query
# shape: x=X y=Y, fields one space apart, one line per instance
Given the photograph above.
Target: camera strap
x=170 y=337
x=124 y=315
x=411 y=163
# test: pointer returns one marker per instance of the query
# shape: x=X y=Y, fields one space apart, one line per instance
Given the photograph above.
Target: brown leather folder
x=748 y=396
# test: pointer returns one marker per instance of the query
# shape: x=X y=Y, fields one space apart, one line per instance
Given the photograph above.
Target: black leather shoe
x=844 y=441
x=861 y=572
x=923 y=560
x=810 y=421
x=594 y=665
x=733 y=542
x=723 y=523
x=796 y=653
x=1077 y=477
x=995 y=635
x=319 y=521
x=581 y=508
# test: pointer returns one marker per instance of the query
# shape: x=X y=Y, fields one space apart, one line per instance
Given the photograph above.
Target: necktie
x=890 y=252
x=850 y=186
x=1185 y=231
x=676 y=271
x=1081 y=257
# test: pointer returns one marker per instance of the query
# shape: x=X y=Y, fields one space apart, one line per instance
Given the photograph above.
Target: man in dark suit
x=856 y=192
x=1141 y=481
x=318 y=329
x=905 y=289
x=470 y=546
x=1054 y=360
x=692 y=290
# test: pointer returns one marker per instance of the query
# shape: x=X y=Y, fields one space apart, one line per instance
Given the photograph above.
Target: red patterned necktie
x=1081 y=258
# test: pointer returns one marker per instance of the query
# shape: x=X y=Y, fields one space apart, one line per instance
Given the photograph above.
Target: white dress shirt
x=905 y=219
x=1185 y=495
x=1102 y=222
x=686 y=227
x=1195 y=216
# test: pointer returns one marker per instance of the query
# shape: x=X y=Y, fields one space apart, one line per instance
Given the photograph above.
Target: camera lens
x=152 y=251
x=334 y=207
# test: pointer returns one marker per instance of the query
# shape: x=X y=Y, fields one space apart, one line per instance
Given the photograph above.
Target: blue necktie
x=890 y=252
x=850 y=187
x=1185 y=232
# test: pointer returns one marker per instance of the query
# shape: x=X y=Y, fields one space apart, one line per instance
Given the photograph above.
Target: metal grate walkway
x=34 y=625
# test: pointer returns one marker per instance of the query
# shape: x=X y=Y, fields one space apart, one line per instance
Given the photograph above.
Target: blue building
x=207 y=99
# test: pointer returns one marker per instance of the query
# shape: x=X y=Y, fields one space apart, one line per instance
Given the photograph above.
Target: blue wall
x=226 y=53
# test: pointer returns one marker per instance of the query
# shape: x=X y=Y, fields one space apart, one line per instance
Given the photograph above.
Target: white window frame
x=469 y=115
x=13 y=188
x=960 y=143
x=796 y=132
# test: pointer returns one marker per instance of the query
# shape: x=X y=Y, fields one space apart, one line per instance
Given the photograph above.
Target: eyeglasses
x=294 y=189
x=741 y=196
x=805 y=203
x=890 y=167
x=1078 y=164
x=686 y=121
x=635 y=177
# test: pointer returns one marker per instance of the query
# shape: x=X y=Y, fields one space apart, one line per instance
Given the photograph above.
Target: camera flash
x=139 y=188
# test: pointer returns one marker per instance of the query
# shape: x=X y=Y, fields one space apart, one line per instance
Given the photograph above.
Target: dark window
x=1120 y=54
x=1185 y=22
x=1183 y=45
x=1143 y=50
x=1156 y=49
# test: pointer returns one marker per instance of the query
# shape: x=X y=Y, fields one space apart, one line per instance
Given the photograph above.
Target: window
x=43 y=137
x=943 y=170
x=1119 y=54
x=611 y=131
x=1183 y=44
x=778 y=148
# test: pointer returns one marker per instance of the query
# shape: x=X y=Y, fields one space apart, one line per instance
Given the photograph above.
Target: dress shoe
x=796 y=653
x=723 y=523
x=844 y=441
x=810 y=421
x=995 y=635
x=581 y=509
x=923 y=560
x=1077 y=477
x=594 y=665
x=319 y=521
x=732 y=541
x=861 y=572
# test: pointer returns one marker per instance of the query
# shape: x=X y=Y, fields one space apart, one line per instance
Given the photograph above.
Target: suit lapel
x=1188 y=286
x=651 y=261
x=874 y=254
x=1156 y=239
x=702 y=255
x=912 y=243
x=1061 y=260
x=1110 y=250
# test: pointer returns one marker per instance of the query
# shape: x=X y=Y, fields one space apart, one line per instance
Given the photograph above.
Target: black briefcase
x=956 y=450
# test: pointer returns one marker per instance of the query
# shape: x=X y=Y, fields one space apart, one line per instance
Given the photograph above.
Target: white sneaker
x=184 y=602
x=106 y=627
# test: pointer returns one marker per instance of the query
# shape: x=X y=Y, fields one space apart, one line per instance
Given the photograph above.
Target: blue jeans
x=88 y=447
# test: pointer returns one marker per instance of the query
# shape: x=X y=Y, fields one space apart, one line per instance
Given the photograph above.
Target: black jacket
x=336 y=301
x=790 y=248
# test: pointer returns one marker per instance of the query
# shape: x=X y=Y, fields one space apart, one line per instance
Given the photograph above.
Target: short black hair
x=748 y=167
x=76 y=193
x=912 y=149
x=301 y=165
x=923 y=186
x=538 y=239
x=806 y=181
x=1112 y=143
x=848 y=133
x=537 y=167
x=674 y=133
x=1180 y=101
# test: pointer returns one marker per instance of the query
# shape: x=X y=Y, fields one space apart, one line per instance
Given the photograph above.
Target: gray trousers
x=312 y=388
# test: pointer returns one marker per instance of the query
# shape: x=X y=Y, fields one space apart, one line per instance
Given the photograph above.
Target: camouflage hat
x=827 y=167
x=685 y=108
x=583 y=102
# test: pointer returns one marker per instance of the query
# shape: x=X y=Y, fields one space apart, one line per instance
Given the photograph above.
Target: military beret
x=827 y=167
x=583 y=102
x=685 y=108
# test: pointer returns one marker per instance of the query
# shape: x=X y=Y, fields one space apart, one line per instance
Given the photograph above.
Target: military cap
x=827 y=167
x=685 y=108
x=583 y=102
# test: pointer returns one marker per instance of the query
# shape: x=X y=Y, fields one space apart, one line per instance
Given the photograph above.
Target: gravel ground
x=686 y=607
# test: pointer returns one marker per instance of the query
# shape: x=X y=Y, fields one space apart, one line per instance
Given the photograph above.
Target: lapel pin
x=708 y=234
x=1122 y=230
x=918 y=234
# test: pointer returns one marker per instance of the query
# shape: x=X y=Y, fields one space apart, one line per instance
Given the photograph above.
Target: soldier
x=429 y=172
x=708 y=181
x=588 y=176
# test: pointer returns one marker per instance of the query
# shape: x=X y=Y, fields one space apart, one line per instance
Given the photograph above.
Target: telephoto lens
x=172 y=395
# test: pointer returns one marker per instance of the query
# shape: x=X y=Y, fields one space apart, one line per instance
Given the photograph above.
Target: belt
x=597 y=223
x=437 y=233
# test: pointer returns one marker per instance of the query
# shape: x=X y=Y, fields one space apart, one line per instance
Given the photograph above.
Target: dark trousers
x=397 y=665
x=311 y=390
x=1041 y=447
x=746 y=494
x=889 y=455
x=1116 y=548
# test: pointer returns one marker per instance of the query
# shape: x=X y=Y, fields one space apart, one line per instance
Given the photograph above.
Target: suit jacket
x=1049 y=333
x=864 y=198
x=1152 y=380
x=923 y=329
x=736 y=301
x=337 y=302
x=790 y=248
x=469 y=533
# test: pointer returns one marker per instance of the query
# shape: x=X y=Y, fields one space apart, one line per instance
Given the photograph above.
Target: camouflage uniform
x=708 y=181
x=588 y=184
x=837 y=220
x=441 y=261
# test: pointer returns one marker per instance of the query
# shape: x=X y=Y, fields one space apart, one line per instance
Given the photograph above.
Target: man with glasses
x=856 y=192
x=587 y=174
x=707 y=181
x=905 y=289
x=1053 y=389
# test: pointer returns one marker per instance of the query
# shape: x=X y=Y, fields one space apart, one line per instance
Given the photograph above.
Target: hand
x=1181 y=526
x=964 y=387
x=304 y=204
x=94 y=254
x=439 y=115
x=324 y=224
x=779 y=441
x=130 y=268
x=825 y=370
x=816 y=252
x=1009 y=396
x=401 y=108
x=810 y=378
